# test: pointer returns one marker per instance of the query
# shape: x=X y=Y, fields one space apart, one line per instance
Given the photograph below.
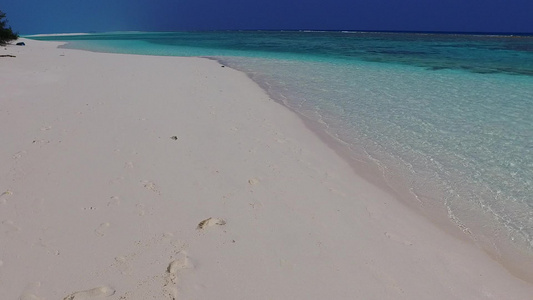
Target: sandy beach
x=144 y=177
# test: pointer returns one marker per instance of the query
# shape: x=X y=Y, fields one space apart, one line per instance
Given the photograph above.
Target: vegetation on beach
x=6 y=33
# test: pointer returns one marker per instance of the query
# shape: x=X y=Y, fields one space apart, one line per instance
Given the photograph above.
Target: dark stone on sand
x=21 y=44
x=174 y=138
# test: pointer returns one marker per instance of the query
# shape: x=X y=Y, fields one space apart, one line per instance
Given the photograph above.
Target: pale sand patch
x=108 y=200
x=98 y=292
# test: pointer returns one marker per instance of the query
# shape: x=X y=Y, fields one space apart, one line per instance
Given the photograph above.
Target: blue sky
x=57 y=16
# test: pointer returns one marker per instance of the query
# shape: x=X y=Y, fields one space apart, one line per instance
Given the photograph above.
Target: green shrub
x=6 y=33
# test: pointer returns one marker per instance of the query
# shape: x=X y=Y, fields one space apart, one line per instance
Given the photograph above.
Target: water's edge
x=514 y=259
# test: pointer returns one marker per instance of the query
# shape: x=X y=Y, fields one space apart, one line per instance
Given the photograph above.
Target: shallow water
x=451 y=115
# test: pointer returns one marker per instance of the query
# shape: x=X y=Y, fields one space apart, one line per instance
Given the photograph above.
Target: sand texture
x=138 y=177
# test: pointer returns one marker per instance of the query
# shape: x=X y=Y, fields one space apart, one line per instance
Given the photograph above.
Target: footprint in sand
x=114 y=201
x=18 y=154
x=171 y=276
x=102 y=291
x=102 y=229
x=4 y=196
x=121 y=263
x=181 y=262
x=45 y=128
x=41 y=141
x=210 y=222
x=151 y=186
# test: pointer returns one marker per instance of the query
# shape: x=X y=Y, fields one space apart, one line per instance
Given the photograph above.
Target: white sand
x=99 y=202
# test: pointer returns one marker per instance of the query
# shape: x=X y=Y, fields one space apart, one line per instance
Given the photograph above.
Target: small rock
x=21 y=44
x=174 y=138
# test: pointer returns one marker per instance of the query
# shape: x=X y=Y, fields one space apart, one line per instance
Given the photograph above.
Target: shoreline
x=510 y=255
x=298 y=222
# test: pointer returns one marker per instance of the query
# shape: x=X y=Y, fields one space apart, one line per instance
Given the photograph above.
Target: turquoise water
x=447 y=117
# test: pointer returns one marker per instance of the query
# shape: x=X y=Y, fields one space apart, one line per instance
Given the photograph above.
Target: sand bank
x=138 y=177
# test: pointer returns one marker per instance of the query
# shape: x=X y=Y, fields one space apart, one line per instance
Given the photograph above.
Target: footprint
x=121 y=263
x=4 y=196
x=41 y=141
x=101 y=230
x=182 y=262
x=253 y=181
x=171 y=276
x=120 y=259
x=45 y=128
x=151 y=186
x=18 y=154
x=114 y=201
x=171 y=292
x=102 y=291
x=210 y=222
x=6 y=193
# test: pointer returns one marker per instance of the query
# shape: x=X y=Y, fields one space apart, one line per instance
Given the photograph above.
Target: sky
x=64 y=16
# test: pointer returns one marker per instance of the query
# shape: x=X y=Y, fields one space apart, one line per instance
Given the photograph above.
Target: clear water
x=449 y=115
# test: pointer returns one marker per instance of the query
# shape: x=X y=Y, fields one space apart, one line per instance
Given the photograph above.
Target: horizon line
x=290 y=30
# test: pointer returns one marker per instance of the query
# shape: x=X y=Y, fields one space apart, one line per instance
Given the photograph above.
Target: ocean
x=444 y=119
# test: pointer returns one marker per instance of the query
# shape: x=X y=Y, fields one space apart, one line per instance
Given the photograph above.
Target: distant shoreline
x=488 y=34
